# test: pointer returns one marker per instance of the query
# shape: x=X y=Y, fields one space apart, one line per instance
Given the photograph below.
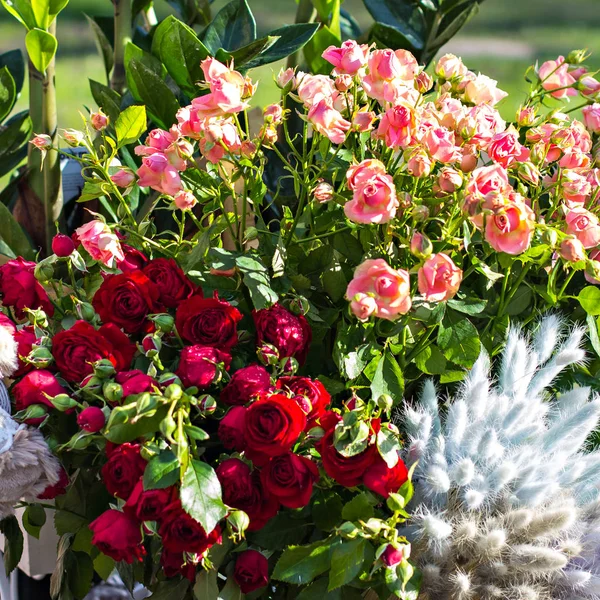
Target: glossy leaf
x=12 y=235
x=162 y=471
x=458 y=340
x=347 y=561
x=301 y=564
x=107 y=99
x=8 y=93
x=130 y=125
x=13 y=543
x=403 y=16
x=41 y=47
x=388 y=379
x=257 y=281
x=589 y=298
x=326 y=509
x=206 y=587
x=233 y=27
x=360 y=507
x=13 y=61
x=22 y=11
x=104 y=46
x=34 y=518
x=281 y=531
x=231 y=591
x=171 y=589
x=41 y=12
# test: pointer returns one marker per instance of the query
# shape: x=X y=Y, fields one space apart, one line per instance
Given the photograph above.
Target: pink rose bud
x=73 y=137
x=555 y=78
x=450 y=67
x=529 y=173
x=343 y=83
x=62 y=245
x=420 y=213
x=392 y=556
x=419 y=164
x=591 y=117
x=184 y=200
x=449 y=180
x=420 y=245
x=439 y=278
x=572 y=250
x=423 y=82
x=91 y=419
x=526 y=116
x=100 y=242
x=42 y=141
x=323 y=192
x=268 y=134
x=363 y=121
x=248 y=149
x=285 y=79
x=273 y=114
x=123 y=178
x=99 y=120
x=588 y=85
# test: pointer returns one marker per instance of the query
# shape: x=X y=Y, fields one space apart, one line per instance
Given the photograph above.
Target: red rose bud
x=207 y=405
x=289 y=366
x=166 y=379
x=62 y=245
x=91 y=385
x=391 y=556
x=299 y=305
x=91 y=419
x=268 y=355
x=246 y=383
x=304 y=403
x=151 y=345
x=251 y=571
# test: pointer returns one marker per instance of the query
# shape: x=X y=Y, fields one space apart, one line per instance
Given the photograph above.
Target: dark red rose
x=289 y=333
x=251 y=571
x=58 y=489
x=290 y=479
x=261 y=507
x=149 y=505
x=7 y=323
x=126 y=300
x=171 y=281
x=75 y=349
x=346 y=471
x=123 y=469
x=32 y=389
x=273 y=425
x=62 y=245
x=198 y=365
x=245 y=384
x=25 y=339
x=208 y=321
x=381 y=479
x=135 y=382
x=236 y=481
x=118 y=535
x=182 y=533
x=173 y=564
x=20 y=289
x=311 y=389
x=232 y=429
x=91 y=419
x=392 y=556
x=134 y=259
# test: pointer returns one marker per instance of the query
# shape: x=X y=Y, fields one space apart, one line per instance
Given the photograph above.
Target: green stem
x=122 y=38
x=305 y=13
x=320 y=237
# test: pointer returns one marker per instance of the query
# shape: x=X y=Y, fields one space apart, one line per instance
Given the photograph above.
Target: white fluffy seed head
x=491 y=543
x=575 y=578
x=8 y=353
x=435 y=528
x=463 y=472
x=537 y=559
x=474 y=499
x=437 y=479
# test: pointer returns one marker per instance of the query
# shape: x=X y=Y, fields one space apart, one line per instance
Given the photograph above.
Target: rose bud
x=73 y=137
x=104 y=368
x=289 y=365
x=363 y=121
x=207 y=405
x=166 y=379
x=184 y=200
x=42 y=142
x=572 y=250
x=99 y=120
x=123 y=178
x=84 y=310
x=529 y=173
x=299 y=305
x=113 y=392
x=167 y=427
x=576 y=57
x=343 y=82
x=391 y=556
x=423 y=82
x=44 y=271
x=385 y=402
x=420 y=245
x=40 y=357
x=526 y=116
x=285 y=79
x=91 y=419
x=151 y=344
x=63 y=402
x=420 y=213
x=62 y=245
x=268 y=355
x=323 y=192
x=91 y=385
x=238 y=522
x=164 y=322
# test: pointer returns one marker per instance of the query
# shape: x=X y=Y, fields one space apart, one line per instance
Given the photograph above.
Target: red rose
x=236 y=481
x=251 y=571
x=123 y=470
x=273 y=425
x=245 y=384
x=118 y=535
x=91 y=419
x=198 y=365
x=182 y=533
x=261 y=507
x=208 y=321
x=346 y=471
x=20 y=289
x=311 y=389
x=25 y=339
x=126 y=300
x=290 y=478
x=148 y=505
x=171 y=281
x=135 y=382
x=58 y=489
x=75 y=349
x=32 y=389
x=381 y=479
x=134 y=259
x=173 y=564
x=232 y=429
x=289 y=333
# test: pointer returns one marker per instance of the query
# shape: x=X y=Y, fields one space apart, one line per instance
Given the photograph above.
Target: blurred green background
x=501 y=41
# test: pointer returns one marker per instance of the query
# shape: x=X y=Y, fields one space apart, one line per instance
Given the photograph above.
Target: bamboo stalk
x=122 y=38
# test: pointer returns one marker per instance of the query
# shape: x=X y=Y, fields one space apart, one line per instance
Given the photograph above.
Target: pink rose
x=323 y=192
x=374 y=201
x=226 y=90
x=100 y=242
x=189 y=122
x=285 y=77
x=449 y=180
x=99 y=120
x=348 y=59
x=388 y=288
x=440 y=144
x=159 y=174
x=314 y=87
x=123 y=178
x=328 y=121
x=505 y=148
x=184 y=200
x=397 y=126
x=439 y=278
x=480 y=124
x=389 y=70
x=584 y=226
x=510 y=227
x=485 y=186
x=419 y=164
x=589 y=85
x=575 y=188
x=555 y=77
x=450 y=67
x=572 y=250
x=483 y=90
x=169 y=144
x=363 y=121
x=591 y=117
x=357 y=175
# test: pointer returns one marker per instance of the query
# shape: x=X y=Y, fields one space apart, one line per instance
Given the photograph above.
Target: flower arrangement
x=216 y=356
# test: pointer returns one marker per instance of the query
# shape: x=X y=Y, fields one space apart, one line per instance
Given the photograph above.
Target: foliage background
x=501 y=41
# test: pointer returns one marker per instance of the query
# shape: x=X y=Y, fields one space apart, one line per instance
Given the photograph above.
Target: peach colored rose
x=123 y=178
x=526 y=116
x=159 y=174
x=555 y=77
x=314 y=87
x=358 y=174
x=509 y=227
x=99 y=120
x=423 y=82
x=450 y=111
x=397 y=126
x=449 y=180
x=388 y=71
x=591 y=117
x=439 y=278
x=220 y=135
x=480 y=124
x=328 y=121
x=441 y=145
x=374 y=200
x=363 y=120
x=485 y=186
x=100 y=242
x=189 y=122
x=348 y=59
x=505 y=148
x=418 y=163
x=450 y=67
x=573 y=158
x=575 y=188
x=184 y=200
x=572 y=250
x=483 y=90
x=389 y=288
x=323 y=192
x=469 y=158
x=169 y=144
x=584 y=226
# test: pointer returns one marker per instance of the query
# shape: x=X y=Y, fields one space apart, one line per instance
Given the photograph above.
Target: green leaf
x=301 y=564
x=181 y=52
x=66 y=521
x=80 y=572
x=401 y=16
x=108 y=100
x=257 y=281
x=360 y=507
x=13 y=543
x=130 y=125
x=431 y=361
x=104 y=566
x=290 y=39
x=589 y=298
x=317 y=260
x=403 y=581
x=347 y=561
x=469 y=306
x=172 y=589
x=458 y=339
x=162 y=471
x=8 y=93
x=233 y=27
x=120 y=429
x=520 y=301
x=56 y=6
x=334 y=281
x=41 y=11
x=281 y=531
x=206 y=587
x=22 y=11
x=326 y=509
x=231 y=591
x=13 y=235
x=388 y=446
x=347 y=245
x=104 y=46
x=388 y=379
x=34 y=518
x=41 y=47
x=594 y=338
x=201 y=495
x=13 y=61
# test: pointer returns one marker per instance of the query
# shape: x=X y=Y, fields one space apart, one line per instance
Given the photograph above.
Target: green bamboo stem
x=122 y=38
